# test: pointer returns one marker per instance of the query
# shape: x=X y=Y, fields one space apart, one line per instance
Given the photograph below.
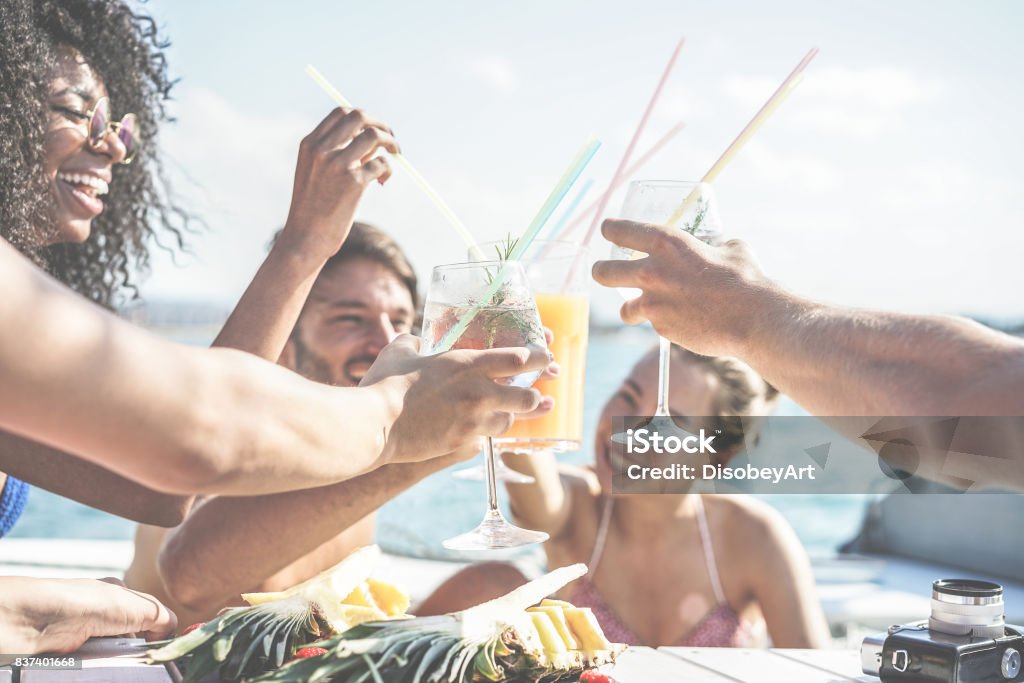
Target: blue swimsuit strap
x=12 y=503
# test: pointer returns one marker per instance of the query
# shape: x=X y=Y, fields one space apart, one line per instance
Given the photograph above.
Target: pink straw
x=629 y=173
x=632 y=143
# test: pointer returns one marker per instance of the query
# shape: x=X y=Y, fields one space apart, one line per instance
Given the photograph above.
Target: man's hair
x=124 y=47
x=370 y=242
x=742 y=393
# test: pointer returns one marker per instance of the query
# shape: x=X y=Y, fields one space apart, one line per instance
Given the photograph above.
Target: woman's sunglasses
x=100 y=125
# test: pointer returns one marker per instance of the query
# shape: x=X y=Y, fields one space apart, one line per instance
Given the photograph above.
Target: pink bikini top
x=721 y=627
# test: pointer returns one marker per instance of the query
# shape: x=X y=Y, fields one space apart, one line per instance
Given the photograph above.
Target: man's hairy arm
x=836 y=361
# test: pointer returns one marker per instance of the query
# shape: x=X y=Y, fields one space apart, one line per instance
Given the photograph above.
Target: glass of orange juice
x=558 y=275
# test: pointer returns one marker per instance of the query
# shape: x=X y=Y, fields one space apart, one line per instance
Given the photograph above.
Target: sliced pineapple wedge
x=551 y=642
x=343 y=593
x=585 y=629
x=361 y=597
x=557 y=616
x=342 y=578
x=388 y=597
x=550 y=602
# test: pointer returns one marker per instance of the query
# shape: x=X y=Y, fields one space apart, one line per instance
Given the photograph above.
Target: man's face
x=354 y=310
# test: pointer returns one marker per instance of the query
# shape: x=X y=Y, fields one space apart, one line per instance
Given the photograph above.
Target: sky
x=889 y=178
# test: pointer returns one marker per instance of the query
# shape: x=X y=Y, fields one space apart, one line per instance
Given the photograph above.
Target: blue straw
x=570 y=177
x=570 y=210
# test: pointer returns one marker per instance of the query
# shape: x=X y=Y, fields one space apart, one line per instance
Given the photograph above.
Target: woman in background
x=683 y=568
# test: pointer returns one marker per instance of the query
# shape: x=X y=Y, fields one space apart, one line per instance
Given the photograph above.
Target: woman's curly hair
x=126 y=51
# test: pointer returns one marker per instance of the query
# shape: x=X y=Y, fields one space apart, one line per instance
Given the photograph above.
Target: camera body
x=913 y=652
x=964 y=641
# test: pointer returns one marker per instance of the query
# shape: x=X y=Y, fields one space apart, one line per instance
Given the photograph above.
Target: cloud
x=861 y=102
x=497 y=73
x=799 y=173
x=234 y=169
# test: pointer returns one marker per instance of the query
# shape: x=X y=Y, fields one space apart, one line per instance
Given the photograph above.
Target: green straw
x=565 y=183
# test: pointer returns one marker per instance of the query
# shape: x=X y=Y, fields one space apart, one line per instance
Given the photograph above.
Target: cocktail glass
x=558 y=277
x=657 y=201
x=484 y=305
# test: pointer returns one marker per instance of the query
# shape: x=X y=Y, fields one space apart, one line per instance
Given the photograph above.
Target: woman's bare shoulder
x=751 y=525
x=580 y=479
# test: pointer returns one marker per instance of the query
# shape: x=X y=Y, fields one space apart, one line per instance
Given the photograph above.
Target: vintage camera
x=964 y=641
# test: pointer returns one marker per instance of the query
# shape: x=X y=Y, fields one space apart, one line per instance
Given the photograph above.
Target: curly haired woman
x=83 y=198
x=82 y=194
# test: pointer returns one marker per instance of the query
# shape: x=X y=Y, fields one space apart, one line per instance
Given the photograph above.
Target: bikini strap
x=602 y=535
x=709 y=551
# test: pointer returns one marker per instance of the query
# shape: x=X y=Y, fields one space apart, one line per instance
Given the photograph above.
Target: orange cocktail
x=567 y=316
x=557 y=274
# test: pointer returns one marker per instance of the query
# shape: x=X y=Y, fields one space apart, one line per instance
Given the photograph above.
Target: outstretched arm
x=214 y=555
x=783 y=582
x=833 y=361
x=222 y=421
x=87 y=483
x=546 y=504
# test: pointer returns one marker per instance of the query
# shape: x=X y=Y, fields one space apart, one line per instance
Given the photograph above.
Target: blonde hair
x=741 y=393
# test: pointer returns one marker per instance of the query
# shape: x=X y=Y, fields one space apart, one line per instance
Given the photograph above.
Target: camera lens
x=967 y=607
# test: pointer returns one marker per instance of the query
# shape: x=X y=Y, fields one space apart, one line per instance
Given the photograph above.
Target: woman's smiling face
x=692 y=393
x=79 y=173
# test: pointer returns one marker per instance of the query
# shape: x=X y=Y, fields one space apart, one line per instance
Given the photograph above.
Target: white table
x=117 y=660
x=104 y=660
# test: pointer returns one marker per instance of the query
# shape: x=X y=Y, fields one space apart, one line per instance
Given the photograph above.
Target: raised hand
x=336 y=163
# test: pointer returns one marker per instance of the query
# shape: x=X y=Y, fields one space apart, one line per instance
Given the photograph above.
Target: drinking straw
x=632 y=143
x=570 y=210
x=629 y=172
x=565 y=183
x=769 y=107
x=410 y=169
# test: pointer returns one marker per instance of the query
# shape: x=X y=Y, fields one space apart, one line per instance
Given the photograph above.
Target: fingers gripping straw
x=410 y=169
x=571 y=175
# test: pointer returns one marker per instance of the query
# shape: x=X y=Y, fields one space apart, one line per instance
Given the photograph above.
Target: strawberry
x=306 y=652
x=595 y=676
x=193 y=627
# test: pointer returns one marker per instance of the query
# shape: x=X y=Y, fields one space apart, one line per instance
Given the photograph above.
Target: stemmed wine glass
x=558 y=276
x=484 y=305
x=659 y=201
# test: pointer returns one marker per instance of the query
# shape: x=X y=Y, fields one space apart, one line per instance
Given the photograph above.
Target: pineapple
x=245 y=641
x=501 y=640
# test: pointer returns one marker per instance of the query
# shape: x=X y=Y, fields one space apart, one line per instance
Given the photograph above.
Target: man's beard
x=317 y=368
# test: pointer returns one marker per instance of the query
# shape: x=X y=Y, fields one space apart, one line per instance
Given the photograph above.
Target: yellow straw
x=413 y=173
x=755 y=124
